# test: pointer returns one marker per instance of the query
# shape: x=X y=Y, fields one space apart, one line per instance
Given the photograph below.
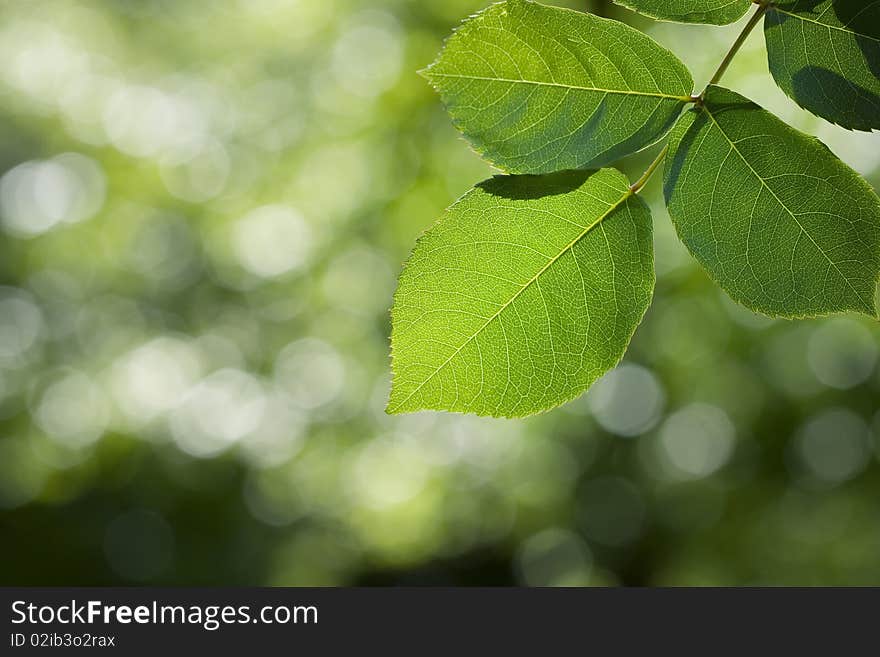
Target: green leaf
x=715 y=12
x=538 y=89
x=525 y=291
x=781 y=224
x=825 y=54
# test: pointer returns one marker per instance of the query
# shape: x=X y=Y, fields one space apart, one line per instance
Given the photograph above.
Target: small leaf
x=825 y=54
x=778 y=221
x=715 y=12
x=526 y=291
x=538 y=89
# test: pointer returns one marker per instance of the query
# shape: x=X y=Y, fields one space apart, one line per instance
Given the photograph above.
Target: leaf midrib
x=867 y=304
x=626 y=195
x=541 y=83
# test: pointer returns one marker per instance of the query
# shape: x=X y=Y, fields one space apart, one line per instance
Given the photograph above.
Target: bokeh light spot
x=834 y=445
x=697 y=440
x=218 y=411
x=37 y=196
x=366 y=58
x=554 y=557
x=311 y=372
x=151 y=379
x=272 y=240
x=21 y=324
x=628 y=400
x=73 y=410
x=842 y=353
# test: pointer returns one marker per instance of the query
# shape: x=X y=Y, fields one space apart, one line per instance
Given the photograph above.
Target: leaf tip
x=395 y=405
x=392 y=407
x=427 y=74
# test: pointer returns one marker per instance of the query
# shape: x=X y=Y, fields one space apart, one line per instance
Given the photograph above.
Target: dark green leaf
x=825 y=54
x=778 y=221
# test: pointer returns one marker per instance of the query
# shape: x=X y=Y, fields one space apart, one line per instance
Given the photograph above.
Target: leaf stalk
x=763 y=6
x=636 y=187
x=697 y=99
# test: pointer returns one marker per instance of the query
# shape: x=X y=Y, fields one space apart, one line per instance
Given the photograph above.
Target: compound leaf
x=825 y=54
x=715 y=12
x=525 y=291
x=538 y=89
x=776 y=219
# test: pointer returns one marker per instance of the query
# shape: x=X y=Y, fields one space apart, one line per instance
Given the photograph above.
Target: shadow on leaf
x=527 y=187
x=857 y=14
x=828 y=94
x=683 y=150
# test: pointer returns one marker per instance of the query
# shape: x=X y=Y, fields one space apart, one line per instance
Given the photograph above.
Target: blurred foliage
x=203 y=208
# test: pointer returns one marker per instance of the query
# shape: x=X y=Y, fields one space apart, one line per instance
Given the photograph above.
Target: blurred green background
x=203 y=209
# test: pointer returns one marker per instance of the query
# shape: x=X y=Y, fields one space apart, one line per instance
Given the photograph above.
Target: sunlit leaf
x=526 y=291
x=825 y=54
x=776 y=219
x=716 y=12
x=538 y=89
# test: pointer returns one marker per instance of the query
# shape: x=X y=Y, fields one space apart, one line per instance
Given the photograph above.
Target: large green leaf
x=825 y=54
x=539 y=89
x=778 y=221
x=525 y=292
x=716 y=12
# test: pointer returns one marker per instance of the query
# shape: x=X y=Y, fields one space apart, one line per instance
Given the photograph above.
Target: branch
x=763 y=6
x=636 y=187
